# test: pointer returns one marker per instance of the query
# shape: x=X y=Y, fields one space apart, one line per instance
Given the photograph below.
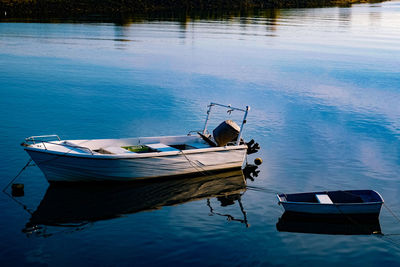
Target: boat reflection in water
x=331 y=225
x=75 y=205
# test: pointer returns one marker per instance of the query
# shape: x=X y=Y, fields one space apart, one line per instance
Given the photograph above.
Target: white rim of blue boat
x=314 y=203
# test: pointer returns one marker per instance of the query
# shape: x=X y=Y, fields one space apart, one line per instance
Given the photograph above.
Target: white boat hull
x=69 y=168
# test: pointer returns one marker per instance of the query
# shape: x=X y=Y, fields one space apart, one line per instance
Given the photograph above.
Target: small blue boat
x=350 y=202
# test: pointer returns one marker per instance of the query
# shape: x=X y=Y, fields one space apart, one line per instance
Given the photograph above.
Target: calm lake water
x=323 y=86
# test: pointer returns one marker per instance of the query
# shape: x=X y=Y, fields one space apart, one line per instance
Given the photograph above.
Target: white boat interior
x=127 y=147
x=146 y=146
x=333 y=197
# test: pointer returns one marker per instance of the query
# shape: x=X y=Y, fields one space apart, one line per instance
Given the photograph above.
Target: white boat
x=130 y=159
x=350 y=202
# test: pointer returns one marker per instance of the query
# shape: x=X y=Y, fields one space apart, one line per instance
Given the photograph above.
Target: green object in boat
x=136 y=149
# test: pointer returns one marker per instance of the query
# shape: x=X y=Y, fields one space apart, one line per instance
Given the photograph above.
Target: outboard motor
x=252 y=147
x=226 y=132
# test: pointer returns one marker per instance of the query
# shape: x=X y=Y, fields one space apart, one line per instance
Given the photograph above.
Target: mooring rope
x=387 y=236
x=263 y=189
x=391 y=211
x=11 y=196
x=19 y=173
x=202 y=171
x=29 y=164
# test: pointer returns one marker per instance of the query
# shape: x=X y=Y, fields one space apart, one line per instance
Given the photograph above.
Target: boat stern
x=281 y=198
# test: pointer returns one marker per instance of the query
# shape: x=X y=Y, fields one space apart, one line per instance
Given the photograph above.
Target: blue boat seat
x=161 y=147
x=323 y=199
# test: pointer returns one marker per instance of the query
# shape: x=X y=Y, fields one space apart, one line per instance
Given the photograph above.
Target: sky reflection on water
x=323 y=88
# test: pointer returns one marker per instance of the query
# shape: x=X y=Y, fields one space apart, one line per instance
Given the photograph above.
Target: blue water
x=323 y=86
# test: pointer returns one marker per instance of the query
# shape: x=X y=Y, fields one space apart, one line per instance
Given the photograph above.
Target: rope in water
x=387 y=236
x=19 y=173
x=384 y=237
x=377 y=234
x=391 y=211
x=12 y=197
x=26 y=166
x=29 y=164
x=263 y=189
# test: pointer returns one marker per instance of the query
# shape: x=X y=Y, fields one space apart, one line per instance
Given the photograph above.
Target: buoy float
x=258 y=161
x=17 y=190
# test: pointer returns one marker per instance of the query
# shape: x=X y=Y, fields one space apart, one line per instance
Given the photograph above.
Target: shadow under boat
x=332 y=224
x=68 y=205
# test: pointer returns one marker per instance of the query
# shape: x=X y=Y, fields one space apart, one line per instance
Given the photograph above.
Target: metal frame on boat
x=135 y=158
x=230 y=109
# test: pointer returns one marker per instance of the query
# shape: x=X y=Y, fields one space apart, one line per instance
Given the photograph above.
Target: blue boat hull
x=318 y=208
x=350 y=202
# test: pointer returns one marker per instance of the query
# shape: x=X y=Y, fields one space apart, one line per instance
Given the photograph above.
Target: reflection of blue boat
x=332 y=225
x=348 y=202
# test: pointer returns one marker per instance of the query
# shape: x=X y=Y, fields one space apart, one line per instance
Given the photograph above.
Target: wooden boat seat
x=323 y=199
x=161 y=147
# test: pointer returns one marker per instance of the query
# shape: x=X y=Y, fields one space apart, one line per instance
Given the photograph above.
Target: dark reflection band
x=329 y=224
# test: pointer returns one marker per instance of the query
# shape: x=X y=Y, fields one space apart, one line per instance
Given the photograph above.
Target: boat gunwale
x=328 y=204
x=334 y=203
x=137 y=155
